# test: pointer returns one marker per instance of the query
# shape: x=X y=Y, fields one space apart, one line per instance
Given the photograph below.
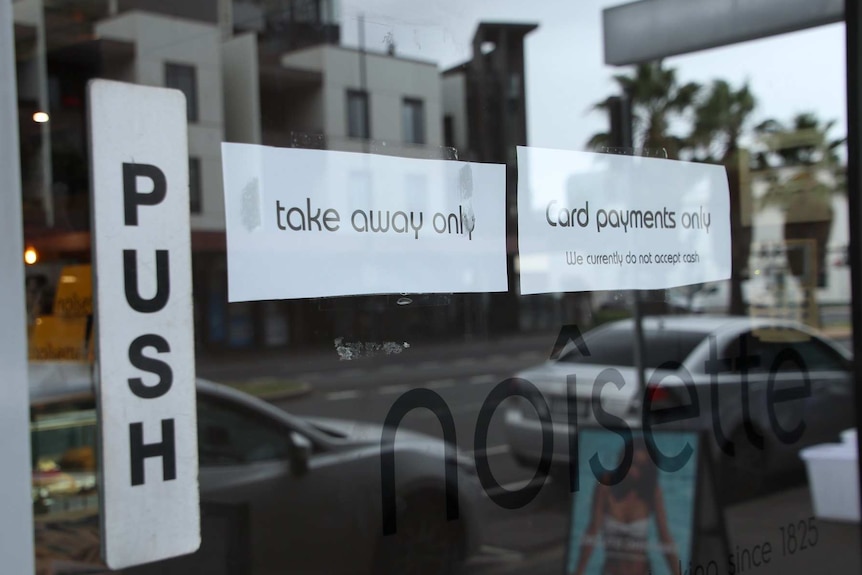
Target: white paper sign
x=315 y=223
x=146 y=371
x=606 y=222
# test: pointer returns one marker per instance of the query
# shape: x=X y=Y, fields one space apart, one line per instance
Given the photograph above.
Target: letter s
x=151 y=365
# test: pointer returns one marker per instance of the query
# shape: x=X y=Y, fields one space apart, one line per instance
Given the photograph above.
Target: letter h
x=140 y=451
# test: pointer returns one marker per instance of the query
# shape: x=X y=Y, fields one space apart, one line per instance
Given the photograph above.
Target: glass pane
x=698 y=418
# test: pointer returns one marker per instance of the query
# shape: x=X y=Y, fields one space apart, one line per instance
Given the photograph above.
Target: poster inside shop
x=318 y=223
x=589 y=221
x=645 y=523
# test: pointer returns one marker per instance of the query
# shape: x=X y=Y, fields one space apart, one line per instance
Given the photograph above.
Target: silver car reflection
x=279 y=493
x=692 y=342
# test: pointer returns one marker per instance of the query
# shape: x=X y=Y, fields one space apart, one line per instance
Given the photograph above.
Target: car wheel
x=425 y=542
x=742 y=476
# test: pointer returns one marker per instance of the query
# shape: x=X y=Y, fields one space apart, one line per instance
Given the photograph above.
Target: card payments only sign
x=605 y=222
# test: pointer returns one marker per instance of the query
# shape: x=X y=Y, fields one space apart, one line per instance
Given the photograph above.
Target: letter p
x=132 y=198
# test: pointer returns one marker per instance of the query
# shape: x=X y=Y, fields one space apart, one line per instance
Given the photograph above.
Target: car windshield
x=617 y=347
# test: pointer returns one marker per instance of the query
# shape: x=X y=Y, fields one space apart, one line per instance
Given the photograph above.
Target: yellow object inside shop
x=67 y=333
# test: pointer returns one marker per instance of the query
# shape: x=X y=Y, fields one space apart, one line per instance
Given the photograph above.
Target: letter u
x=163 y=282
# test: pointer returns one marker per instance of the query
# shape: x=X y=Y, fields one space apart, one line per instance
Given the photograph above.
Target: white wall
x=241 y=85
x=388 y=81
x=159 y=40
x=768 y=228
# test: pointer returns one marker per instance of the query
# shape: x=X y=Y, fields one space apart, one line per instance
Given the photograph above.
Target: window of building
x=305 y=11
x=358 y=125
x=413 y=121
x=195 y=188
x=183 y=77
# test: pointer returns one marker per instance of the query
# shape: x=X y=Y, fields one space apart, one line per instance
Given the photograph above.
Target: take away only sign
x=318 y=223
x=143 y=309
x=591 y=221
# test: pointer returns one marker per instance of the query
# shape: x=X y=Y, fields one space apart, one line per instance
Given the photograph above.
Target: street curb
x=325 y=359
x=300 y=390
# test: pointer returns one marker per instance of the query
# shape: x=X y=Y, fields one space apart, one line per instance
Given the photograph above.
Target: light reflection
x=31 y=256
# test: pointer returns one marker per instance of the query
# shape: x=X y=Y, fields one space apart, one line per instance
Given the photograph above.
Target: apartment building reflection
x=270 y=73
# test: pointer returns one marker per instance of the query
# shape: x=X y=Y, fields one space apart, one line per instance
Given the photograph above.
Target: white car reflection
x=279 y=493
x=688 y=340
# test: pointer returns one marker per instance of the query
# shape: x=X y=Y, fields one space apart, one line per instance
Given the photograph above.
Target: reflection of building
x=322 y=96
x=486 y=119
x=647 y=30
x=344 y=96
x=283 y=26
x=59 y=47
x=260 y=72
x=183 y=54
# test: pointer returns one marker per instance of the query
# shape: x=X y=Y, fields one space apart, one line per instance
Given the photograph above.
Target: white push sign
x=605 y=222
x=316 y=223
x=146 y=377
